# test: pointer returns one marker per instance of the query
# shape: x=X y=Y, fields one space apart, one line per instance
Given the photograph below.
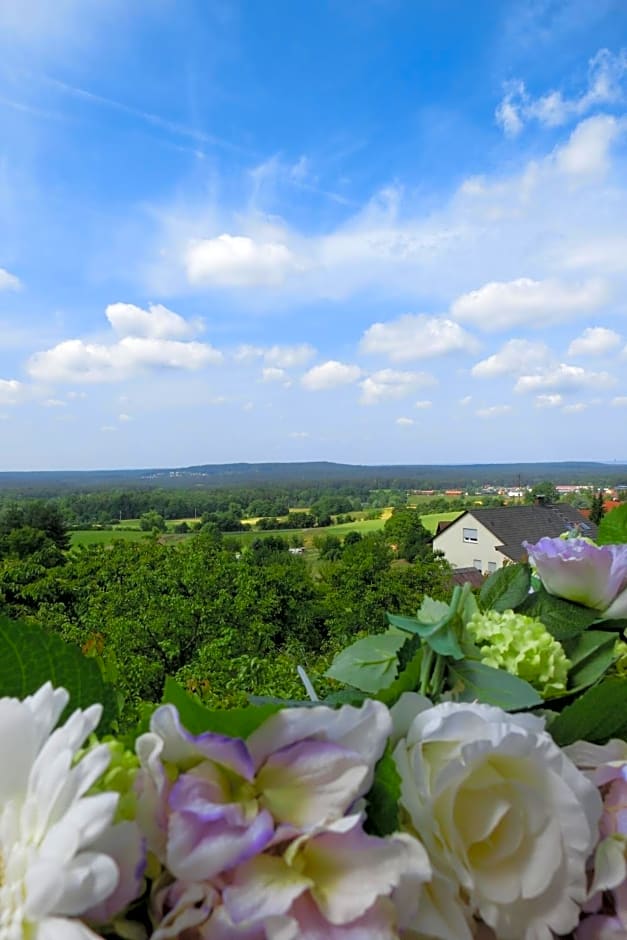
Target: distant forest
x=320 y=475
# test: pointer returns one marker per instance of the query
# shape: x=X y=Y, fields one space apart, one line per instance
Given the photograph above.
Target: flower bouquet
x=469 y=779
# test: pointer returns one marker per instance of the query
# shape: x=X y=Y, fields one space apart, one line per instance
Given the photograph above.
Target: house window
x=470 y=535
x=491 y=566
x=477 y=564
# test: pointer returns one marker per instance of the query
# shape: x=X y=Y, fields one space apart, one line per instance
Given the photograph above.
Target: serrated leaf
x=382 y=800
x=590 y=657
x=613 y=527
x=475 y=681
x=235 y=722
x=369 y=664
x=564 y=620
x=29 y=657
x=597 y=715
x=506 y=588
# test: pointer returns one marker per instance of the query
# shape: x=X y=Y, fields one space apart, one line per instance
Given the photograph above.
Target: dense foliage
x=225 y=621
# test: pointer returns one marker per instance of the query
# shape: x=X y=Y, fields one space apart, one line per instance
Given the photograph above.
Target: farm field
x=105 y=536
x=129 y=531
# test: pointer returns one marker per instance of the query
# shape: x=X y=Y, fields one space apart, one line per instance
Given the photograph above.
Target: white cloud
x=575 y=408
x=272 y=374
x=465 y=401
x=124 y=417
x=423 y=403
x=416 y=336
x=563 y=378
x=594 y=341
x=108 y=428
x=404 y=422
x=606 y=74
x=298 y=435
x=282 y=357
x=620 y=401
x=157 y=322
x=587 y=150
x=391 y=384
x=239 y=261
x=11 y=391
x=501 y=305
x=77 y=361
x=494 y=411
x=516 y=356
x=329 y=375
x=9 y=281
x=54 y=403
x=548 y=401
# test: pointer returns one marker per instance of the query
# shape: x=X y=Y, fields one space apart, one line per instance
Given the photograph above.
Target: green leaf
x=613 y=527
x=29 y=657
x=564 y=620
x=382 y=800
x=506 y=588
x=591 y=657
x=596 y=716
x=476 y=681
x=235 y=722
x=407 y=681
x=369 y=664
x=432 y=611
x=440 y=636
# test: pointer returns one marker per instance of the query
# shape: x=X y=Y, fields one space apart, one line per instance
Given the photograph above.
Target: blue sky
x=372 y=231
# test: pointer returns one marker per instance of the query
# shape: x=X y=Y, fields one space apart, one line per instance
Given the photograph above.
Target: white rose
x=499 y=806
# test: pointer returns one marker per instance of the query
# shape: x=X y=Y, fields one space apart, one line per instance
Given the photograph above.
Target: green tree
x=152 y=521
x=545 y=491
x=406 y=532
x=597 y=509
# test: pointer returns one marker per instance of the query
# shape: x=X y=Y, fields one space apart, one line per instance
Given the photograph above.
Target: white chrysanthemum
x=49 y=874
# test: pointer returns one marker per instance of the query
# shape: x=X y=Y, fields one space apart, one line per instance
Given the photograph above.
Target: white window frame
x=477 y=563
x=469 y=538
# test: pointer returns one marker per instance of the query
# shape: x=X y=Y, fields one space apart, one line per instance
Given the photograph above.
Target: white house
x=488 y=538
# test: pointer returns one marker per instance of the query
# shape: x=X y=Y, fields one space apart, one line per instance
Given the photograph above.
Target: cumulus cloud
x=239 y=261
x=564 y=378
x=329 y=375
x=548 y=401
x=281 y=357
x=416 y=336
x=272 y=374
x=144 y=344
x=501 y=305
x=594 y=341
x=423 y=403
x=404 y=422
x=605 y=85
x=574 y=408
x=77 y=361
x=391 y=384
x=587 y=150
x=494 y=411
x=9 y=281
x=11 y=391
x=516 y=356
x=157 y=322
x=620 y=401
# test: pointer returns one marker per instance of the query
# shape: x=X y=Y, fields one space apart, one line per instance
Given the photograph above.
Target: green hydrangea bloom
x=119 y=777
x=523 y=647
